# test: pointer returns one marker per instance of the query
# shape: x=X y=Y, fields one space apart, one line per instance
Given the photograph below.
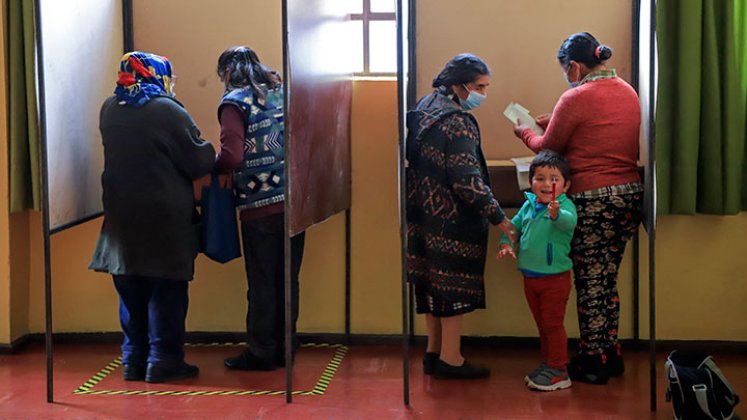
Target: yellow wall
x=20 y=253
x=85 y=301
x=702 y=277
x=519 y=40
x=375 y=247
x=698 y=263
x=194 y=55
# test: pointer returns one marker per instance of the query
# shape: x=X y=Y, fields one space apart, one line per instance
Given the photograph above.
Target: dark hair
x=582 y=47
x=549 y=159
x=464 y=68
x=243 y=68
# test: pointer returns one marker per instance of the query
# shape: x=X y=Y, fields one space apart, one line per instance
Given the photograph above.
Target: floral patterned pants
x=604 y=226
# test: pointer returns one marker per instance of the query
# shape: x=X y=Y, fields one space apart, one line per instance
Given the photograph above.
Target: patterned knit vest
x=260 y=180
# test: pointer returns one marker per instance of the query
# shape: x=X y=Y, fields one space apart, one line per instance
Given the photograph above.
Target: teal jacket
x=545 y=243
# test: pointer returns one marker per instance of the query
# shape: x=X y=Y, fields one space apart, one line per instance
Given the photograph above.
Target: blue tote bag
x=220 y=232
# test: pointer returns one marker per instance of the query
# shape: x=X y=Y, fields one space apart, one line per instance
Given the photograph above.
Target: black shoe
x=133 y=372
x=589 y=368
x=429 y=362
x=615 y=363
x=248 y=361
x=280 y=359
x=466 y=371
x=156 y=374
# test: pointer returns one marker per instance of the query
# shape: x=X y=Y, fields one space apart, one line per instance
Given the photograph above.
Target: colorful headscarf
x=143 y=76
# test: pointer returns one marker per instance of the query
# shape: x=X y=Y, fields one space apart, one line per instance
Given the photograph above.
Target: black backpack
x=698 y=389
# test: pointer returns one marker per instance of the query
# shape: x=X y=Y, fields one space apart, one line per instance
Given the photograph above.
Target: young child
x=545 y=224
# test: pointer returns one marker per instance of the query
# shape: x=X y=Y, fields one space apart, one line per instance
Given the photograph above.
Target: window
x=375 y=22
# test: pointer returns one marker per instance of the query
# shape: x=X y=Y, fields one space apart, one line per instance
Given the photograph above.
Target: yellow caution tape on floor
x=319 y=388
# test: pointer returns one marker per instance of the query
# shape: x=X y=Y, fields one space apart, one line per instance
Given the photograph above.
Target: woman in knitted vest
x=251 y=121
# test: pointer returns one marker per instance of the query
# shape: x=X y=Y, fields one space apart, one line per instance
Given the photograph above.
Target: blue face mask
x=473 y=100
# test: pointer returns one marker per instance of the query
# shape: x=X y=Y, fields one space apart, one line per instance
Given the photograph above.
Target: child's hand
x=506 y=249
x=508 y=228
x=552 y=209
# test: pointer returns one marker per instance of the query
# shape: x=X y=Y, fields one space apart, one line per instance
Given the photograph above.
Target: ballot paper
x=522 y=171
x=514 y=112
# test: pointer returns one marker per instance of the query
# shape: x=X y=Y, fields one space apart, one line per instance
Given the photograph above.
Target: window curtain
x=740 y=23
x=24 y=154
x=700 y=113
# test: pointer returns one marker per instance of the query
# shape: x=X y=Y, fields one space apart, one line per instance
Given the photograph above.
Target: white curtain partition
x=82 y=45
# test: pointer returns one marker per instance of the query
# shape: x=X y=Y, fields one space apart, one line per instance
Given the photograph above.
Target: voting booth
x=526 y=81
x=300 y=38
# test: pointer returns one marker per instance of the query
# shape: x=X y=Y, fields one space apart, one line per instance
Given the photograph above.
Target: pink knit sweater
x=596 y=127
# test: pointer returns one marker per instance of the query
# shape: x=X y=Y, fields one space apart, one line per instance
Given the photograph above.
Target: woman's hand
x=552 y=209
x=519 y=128
x=543 y=120
x=506 y=249
x=508 y=228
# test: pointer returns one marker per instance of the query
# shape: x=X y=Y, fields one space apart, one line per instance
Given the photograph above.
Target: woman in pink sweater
x=595 y=125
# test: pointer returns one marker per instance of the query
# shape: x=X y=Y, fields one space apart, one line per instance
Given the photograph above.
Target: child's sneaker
x=536 y=370
x=549 y=379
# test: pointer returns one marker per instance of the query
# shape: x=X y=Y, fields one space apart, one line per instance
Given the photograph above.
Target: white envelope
x=514 y=112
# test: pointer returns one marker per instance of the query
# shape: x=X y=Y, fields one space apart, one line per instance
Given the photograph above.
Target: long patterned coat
x=449 y=205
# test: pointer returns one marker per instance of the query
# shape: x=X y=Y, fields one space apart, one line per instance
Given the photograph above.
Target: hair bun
x=603 y=52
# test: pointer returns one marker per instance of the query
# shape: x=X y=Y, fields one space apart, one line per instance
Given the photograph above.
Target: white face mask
x=473 y=100
x=565 y=75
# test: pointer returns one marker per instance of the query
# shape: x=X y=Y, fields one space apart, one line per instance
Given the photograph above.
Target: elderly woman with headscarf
x=149 y=238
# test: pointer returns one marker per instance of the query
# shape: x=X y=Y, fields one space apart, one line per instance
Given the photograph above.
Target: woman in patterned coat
x=449 y=208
